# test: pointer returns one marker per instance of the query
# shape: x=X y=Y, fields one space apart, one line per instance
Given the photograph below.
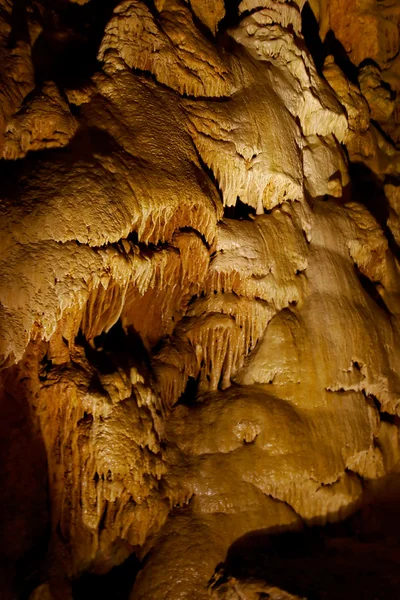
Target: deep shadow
x=330 y=46
x=317 y=567
x=358 y=558
x=240 y=211
x=188 y=398
x=367 y=189
x=370 y=288
x=116 y=584
x=116 y=348
x=231 y=18
x=66 y=50
x=24 y=502
x=333 y=46
x=310 y=30
x=19 y=24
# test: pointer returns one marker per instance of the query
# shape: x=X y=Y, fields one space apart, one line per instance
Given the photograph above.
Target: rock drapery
x=199 y=292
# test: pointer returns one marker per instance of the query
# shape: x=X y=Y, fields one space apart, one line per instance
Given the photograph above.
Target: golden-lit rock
x=199 y=290
x=44 y=122
x=17 y=73
x=367 y=29
x=392 y=193
x=210 y=12
x=378 y=97
x=112 y=506
x=173 y=50
x=293 y=74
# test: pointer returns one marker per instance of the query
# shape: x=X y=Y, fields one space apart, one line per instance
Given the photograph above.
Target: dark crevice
x=151 y=7
x=393 y=179
x=149 y=75
x=370 y=288
x=367 y=189
x=383 y=133
x=310 y=30
x=116 y=348
x=369 y=62
x=95 y=386
x=31 y=568
x=374 y=400
x=388 y=418
x=102 y=523
x=188 y=398
x=86 y=420
x=82 y=148
x=116 y=584
x=146 y=248
x=334 y=47
x=195 y=232
x=385 y=417
x=199 y=24
x=19 y=25
x=331 y=46
x=206 y=170
x=232 y=17
x=66 y=50
x=250 y=443
x=159 y=345
x=45 y=368
x=240 y=211
x=101 y=142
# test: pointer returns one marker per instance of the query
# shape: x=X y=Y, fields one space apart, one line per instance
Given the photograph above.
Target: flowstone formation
x=200 y=299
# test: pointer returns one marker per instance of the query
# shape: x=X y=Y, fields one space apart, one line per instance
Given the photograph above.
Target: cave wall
x=199 y=282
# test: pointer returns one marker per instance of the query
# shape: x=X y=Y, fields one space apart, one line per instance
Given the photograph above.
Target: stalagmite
x=199 y=299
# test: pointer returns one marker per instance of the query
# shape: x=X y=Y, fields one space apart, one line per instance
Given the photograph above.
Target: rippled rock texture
x=199 y=299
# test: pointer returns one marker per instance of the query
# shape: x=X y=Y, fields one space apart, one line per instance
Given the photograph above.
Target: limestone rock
x=44 y=122
x=367 y=29
x=210 y=12
x=173 y=50
x=294 y=77
x=349 y=95
x=17 y=73
x=392 y=193
x=378 y=97
x=233 y=589
x=199 y=294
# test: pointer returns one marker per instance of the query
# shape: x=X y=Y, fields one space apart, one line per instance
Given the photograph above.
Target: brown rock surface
x=199 y=300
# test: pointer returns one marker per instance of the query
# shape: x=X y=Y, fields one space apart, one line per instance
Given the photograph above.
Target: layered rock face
x=199 y=296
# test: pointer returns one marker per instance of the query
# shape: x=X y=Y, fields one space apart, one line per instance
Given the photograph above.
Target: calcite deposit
x=199 y=299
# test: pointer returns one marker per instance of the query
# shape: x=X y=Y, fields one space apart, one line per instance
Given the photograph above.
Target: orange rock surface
x=199 y=297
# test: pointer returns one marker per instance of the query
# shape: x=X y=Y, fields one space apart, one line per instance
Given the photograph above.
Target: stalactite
x=199 y=297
